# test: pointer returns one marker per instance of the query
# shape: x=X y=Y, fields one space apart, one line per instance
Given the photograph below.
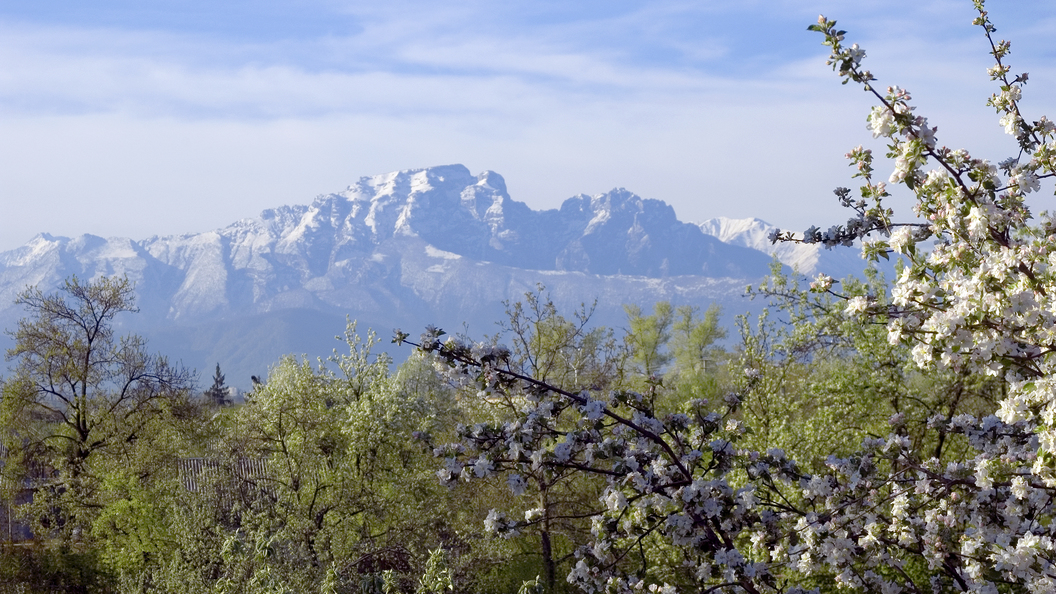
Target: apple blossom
x=890 y=517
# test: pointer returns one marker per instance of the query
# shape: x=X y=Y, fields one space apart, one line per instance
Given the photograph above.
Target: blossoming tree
x=686 y=506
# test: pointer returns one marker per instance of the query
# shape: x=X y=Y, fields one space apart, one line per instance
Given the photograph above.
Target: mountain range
x=405 y=249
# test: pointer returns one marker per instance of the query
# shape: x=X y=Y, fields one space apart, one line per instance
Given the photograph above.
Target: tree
x=80 y=393
x=672 y=348
x=564 y=352
x=694 y=339
x=558 y=349
x=648 y=336
x=336 y=483
x=826 y=379
x=218 y=394
x=688 y=504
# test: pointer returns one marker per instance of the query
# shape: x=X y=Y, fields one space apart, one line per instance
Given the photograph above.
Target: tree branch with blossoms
x=749 y=531
x=892 y=516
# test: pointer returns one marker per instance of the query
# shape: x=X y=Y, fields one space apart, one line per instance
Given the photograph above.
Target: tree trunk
x=547 y=548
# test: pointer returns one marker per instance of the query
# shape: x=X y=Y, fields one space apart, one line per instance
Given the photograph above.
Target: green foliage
x=44 y=570
x=533 y=586
x=81 y=397
x=379 y=583
x=132 y=529
x=561 y=350
x=436 y=579
x=648 y=336
x=694 y=339
x=823 y=381
x=318 y=481
x=668 y=354
x=349 y=500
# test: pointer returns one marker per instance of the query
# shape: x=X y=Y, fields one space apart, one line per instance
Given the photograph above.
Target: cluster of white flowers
x=901 y=239
x=857 y=305
x=984 y=299
x=821 y=283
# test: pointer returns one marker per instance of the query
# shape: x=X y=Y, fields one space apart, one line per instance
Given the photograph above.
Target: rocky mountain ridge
x=436 y=245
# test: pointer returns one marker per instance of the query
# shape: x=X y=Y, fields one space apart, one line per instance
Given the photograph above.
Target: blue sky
x=135 y=118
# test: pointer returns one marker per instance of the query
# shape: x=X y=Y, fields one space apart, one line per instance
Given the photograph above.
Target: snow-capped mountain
x=436 y=245
x=807 y=259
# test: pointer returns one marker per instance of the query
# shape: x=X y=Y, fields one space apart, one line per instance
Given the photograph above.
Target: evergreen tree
x=219 y=393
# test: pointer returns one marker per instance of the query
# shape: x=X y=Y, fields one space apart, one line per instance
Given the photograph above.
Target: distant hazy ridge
x=404 y=249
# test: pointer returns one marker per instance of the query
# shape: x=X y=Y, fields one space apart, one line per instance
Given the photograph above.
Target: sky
x=133 y=118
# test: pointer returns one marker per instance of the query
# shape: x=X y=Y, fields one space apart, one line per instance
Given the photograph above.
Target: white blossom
x=881 y=121
x=517 y=484
x=857 y=305
x=901 y=238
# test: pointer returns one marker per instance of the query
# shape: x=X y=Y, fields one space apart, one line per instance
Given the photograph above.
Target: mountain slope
x=408 y=248
x=808 y=259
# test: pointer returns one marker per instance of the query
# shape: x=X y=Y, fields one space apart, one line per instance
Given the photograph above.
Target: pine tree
x=218 y=393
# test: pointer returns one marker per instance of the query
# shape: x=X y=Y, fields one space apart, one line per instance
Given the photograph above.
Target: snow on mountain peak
x=450 y=209
x=751 y=232
x=409 y=247
x=808 y=259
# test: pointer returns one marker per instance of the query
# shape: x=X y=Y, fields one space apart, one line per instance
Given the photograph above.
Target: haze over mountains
x=405 y=249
